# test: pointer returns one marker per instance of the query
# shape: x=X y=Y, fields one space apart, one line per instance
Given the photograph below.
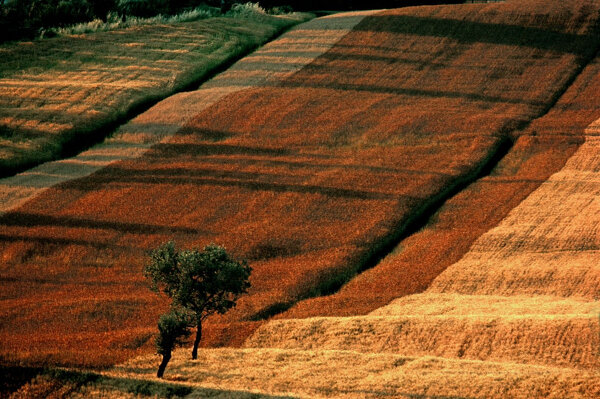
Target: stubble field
x=448 y=155
x=59 y=95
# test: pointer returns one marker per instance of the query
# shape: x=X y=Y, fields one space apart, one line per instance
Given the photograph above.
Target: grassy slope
x=57 y=95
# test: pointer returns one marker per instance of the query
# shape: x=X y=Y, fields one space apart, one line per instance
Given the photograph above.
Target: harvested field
x=59 y=95
x=253 y=156
x=134 y=138
x=548 y=245
x=528 y=333
x=95 y=280
x=325 y=374
x=526 y=292
x=312 y=175
x=543 y=312
x=539 y=150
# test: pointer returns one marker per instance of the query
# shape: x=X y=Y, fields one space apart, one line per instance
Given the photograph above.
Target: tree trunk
x=163 y=365
x=197 y=340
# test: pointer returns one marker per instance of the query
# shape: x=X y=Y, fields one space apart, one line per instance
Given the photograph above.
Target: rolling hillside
x=58 y=96
x=516 y=316
x=427 y=177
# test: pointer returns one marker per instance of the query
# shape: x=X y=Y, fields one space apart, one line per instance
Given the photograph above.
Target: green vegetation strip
x=59 y=96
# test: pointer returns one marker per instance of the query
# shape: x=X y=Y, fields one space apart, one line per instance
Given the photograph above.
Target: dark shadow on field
x=177 y=150
x=289 y=164
x=479 y=32
x=404 y=91
x=34 y=220
x=168 y=389
x=60 y=383
x=59 y=241
x=332 y=69
x=14 y=377
x=249 y=181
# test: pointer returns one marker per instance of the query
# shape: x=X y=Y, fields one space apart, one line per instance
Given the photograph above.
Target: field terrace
x=310 y=175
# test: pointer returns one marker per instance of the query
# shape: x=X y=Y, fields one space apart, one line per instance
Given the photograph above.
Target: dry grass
x=547 y=245
x=534 y=330
x=57 y=94
x=327 y=374
x=304 y=176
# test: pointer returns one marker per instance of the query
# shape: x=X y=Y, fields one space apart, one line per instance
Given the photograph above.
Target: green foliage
x=200 y=283
x=143 y=8
x=114 y=21
x=205 y=282
x=20 y=19
x=246 y=10
x=28 y=18
x=173 y=329
x=163 y=269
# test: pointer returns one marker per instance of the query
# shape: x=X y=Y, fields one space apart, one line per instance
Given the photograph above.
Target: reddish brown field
x=539 y=151
x=308 y=179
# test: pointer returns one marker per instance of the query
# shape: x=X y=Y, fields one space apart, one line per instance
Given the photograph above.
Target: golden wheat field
x=416 y=189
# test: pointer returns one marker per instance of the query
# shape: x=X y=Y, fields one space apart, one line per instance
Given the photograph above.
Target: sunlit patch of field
x=548 y=245
x=57 y=93
x=534 y=330
x=349 y=374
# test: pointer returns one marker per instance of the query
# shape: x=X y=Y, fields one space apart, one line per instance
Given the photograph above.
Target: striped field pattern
x=416 y=191
x=517 y=316
x=76 y=315
x=58 y=93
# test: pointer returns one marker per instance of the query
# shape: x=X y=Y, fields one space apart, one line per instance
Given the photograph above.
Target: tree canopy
x=173 y=328
x=202 y=282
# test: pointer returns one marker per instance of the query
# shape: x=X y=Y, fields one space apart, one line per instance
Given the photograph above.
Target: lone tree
x=202 y=282
x=173 y=329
